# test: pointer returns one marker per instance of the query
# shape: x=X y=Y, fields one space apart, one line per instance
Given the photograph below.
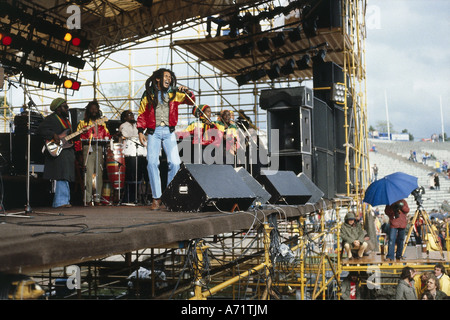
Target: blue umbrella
x=391 y=188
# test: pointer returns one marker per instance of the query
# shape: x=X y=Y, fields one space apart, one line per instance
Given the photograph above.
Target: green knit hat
x=56 y=103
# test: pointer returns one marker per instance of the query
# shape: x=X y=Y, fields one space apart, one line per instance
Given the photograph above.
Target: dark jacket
x=61 y=167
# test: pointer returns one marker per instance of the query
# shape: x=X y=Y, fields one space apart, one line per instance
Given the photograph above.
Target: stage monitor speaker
x=262 y=196
x=317 y=194
x=286 y=98
x=284 y=187
x=201 y=187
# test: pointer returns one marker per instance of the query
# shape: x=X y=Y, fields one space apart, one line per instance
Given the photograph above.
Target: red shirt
x=401 y=221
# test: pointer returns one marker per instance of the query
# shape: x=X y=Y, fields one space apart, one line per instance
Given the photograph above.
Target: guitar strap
x=64 y=122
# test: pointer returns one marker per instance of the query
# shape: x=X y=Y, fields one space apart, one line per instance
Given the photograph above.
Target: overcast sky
x=408 y=58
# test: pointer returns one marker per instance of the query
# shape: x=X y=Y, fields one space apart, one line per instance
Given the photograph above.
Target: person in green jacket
x=352 y=235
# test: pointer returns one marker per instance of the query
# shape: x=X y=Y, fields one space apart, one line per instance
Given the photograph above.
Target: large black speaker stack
x=289 y=115
x=329 y=130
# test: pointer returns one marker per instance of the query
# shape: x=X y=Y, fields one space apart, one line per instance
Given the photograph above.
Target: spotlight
x=274 y=71
x=263 y=44
x=320 y=56
x=245 y=49
x=288 y=67
x=303 y=63
x=71 y=84
x=5 y=39
x=257 y=74
x=278 y=40
x=229 y=53
x=243 y=79
x=338 y=93
x=295 y=35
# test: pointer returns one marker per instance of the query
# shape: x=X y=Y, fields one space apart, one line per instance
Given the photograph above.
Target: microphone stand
x=28 y=210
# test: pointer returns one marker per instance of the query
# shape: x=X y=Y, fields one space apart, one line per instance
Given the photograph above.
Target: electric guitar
x=55 y=149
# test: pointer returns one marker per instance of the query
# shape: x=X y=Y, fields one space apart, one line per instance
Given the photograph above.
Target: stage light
x=71 y=84
x=245 y=49
x=288 y=67
x=5 y=39
x=263 y=44
x=274 y=71
x=338 y=93
x=295 y=35
x=229 y=53
x=278 y=40
x=303 y=63
x=68 y=37
x=76 y=42
x=243 y=79
x=320 y=56
x=257 y=74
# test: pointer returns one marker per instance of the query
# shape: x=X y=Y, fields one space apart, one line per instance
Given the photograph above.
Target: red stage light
x=76 y=41
x=6 y=40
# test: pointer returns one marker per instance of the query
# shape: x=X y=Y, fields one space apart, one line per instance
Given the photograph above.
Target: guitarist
x=93 y=144
x=61 y=169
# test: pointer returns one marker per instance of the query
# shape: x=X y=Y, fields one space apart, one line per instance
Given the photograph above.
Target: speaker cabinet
x=295 y=162
x=286 y=97
x=323 y=125
x=20 y=153
x=324 y=75
x=201 y=187
x=317 y=194
x=284 y=187
x=262 y=196
x=324 y=175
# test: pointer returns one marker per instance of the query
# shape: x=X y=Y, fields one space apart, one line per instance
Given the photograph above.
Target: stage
x=58 y=237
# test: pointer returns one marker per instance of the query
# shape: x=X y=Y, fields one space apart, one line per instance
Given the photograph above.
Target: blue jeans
x=161 y=136
x=396 y=236
x=62 y=193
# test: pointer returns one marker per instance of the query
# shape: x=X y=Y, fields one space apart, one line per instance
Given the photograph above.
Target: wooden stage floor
x=51 y=237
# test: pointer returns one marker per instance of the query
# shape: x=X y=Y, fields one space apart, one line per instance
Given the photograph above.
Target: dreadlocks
x=151 y=85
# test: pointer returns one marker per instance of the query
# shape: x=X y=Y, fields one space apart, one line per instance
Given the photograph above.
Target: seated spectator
x=352 y=236
x=434 y=288
x=405 y=288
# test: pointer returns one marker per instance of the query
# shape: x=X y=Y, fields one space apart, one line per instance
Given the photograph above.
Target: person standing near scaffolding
x=158 y=115
x=60 y=169
x=397 y=220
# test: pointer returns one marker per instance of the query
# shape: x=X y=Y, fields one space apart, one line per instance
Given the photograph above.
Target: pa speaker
x=317 y=194
x=262 y=196
x=286 y=98
x=201 y=187
x=284 y=187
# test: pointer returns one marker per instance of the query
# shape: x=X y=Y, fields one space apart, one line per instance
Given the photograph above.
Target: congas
x=115 y=166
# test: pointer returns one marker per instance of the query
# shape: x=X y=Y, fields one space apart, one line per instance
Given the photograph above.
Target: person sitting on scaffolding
x=352 y=235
